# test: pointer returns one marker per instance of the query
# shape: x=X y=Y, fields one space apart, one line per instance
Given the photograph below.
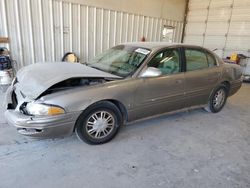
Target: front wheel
x=99 y=123
x=217 y=99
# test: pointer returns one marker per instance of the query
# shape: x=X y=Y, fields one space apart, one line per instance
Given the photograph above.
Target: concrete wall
x=169 y=9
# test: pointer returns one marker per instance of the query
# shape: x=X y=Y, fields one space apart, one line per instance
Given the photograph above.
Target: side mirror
x=151 y=72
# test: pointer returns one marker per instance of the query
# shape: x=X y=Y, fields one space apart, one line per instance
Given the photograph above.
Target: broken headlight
x=43 y=109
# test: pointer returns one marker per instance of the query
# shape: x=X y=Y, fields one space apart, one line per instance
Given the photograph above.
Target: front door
x=161 y=94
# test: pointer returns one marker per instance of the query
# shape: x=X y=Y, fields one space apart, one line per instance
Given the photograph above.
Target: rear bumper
x=45 y=127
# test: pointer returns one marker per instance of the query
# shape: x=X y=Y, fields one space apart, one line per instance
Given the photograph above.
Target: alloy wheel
x=219 y=98
x=100 y=124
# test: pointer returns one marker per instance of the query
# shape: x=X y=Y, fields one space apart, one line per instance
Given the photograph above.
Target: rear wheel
x=217 y=99
x=99 y=123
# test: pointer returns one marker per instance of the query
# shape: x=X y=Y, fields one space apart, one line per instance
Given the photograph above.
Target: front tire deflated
x=99 y=123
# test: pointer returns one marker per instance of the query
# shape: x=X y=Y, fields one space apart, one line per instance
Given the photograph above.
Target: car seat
x=169 y=64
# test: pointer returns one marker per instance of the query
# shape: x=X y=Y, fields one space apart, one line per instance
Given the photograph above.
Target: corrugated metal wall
x=222 y=24
x=43 y=30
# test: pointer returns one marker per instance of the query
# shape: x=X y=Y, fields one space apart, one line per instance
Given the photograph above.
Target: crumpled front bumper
x=37 y=126
x=46 y=127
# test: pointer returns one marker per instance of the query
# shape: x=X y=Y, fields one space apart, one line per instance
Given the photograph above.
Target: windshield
x=121 y=60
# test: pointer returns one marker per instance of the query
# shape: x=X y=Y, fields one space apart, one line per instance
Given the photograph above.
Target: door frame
x=143 y=67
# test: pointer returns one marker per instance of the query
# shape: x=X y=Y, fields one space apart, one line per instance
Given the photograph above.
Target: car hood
x=35 y=79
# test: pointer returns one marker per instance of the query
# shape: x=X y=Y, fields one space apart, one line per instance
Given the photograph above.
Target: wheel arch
x=224 y=84
x=227 y=85
x=121 y=107
x=117 y=103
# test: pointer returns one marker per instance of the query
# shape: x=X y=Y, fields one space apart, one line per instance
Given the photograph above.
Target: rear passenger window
x=195 y=59
x=211 y=60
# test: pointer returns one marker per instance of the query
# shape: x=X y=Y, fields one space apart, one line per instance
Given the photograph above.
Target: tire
x=99 y=123
x=217 y=99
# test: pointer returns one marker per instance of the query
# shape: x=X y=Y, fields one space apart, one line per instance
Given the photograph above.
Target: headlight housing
x=39 y=109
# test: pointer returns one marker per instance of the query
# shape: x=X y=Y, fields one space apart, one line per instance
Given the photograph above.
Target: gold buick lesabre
x=125 y=83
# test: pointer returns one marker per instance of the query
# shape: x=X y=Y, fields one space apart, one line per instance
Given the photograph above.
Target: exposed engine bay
x=63 y=85
x=74 y=82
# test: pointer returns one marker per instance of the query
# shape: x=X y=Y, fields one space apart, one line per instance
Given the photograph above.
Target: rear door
x=201 y=74
x=164 y=93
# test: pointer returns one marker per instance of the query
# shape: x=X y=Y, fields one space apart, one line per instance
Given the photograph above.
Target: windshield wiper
x=112 y=72
x=96 y=68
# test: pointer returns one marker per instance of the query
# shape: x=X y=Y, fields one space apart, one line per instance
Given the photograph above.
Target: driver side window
x=166 y=61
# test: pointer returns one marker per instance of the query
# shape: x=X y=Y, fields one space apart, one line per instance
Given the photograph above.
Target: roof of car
x=156 y=45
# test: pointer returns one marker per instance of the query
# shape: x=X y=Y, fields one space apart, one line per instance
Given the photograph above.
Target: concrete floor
x=189 y=149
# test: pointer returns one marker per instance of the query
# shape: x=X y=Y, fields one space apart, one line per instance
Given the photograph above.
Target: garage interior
x=187 y=149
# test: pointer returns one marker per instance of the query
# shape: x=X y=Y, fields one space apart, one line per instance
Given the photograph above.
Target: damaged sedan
x=125 y=83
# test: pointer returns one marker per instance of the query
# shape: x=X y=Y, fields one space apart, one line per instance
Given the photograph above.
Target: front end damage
x=43 y=125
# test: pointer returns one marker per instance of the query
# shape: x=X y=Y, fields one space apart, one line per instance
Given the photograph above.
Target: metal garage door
x=221 y=24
